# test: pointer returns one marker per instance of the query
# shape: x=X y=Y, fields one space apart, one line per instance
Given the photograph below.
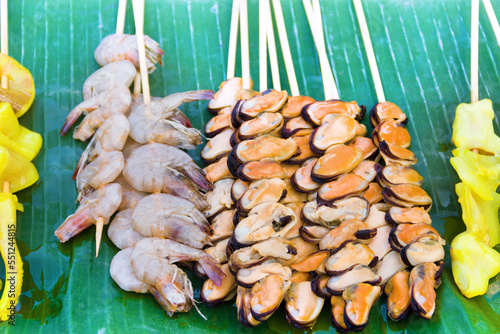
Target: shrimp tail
x=180 y=117
x=212 y=268
x=197 y=175
x=74 y=224
x=197 y=95
x=73 y=116
x=164 y=303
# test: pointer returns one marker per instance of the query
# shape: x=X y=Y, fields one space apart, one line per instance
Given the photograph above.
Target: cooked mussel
x=304 y=148
x=335 y=129
x=389 y=265
x=385 y=111
x=294 y=105
x=302 y=305
x=397 y=290
x=258 y=170
x=394 y=175
x=219 y=199
x=297 y=209
x=424 y=279
x=312 y=262
x=373 y=194
x=337 y=160
x=416 y=215
x=337 y=212
x=262 y=191
x=243 y=298
x=376 y=216
x=351 y=254
x=292 y=195
x=290 y=169
x=313 y=233
x=318 y=286
x=407 y=196
x=226 y=95
x=338 y=305
x=424 y=249
x=277 y=248
x=266 y=123
x=393 y=133
x=267 y=296
x=238 y=189
x=267 y=220
x=404 y=234
x=218 y=171
x=301 y=179
x=296 y=126
x=359 y=299
x=213 y=295
x=218 y=123
x=315 y=112
x=396 y=155
x=358 y=274
x=368 y=149
x=222 y=226
x=217 y=147
x=263 y=147
x=344 y=186
x=247 y=277
x=268 y=101
x=349 y=230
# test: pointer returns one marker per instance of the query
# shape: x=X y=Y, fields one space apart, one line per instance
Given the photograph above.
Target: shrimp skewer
x=103 y=170
x=111 y=136
x=143 y=167
x=118 y=73
x=97 y=109
x=118 y=47
x=96 y=208
x=153 y=122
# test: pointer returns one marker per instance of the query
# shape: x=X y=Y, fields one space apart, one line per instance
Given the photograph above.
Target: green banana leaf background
x=422 y=48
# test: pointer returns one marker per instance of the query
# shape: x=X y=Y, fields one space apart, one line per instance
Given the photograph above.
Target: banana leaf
x=422 y=48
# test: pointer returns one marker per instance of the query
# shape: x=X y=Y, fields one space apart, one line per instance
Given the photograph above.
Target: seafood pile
x=305 y=212
x=133 y=165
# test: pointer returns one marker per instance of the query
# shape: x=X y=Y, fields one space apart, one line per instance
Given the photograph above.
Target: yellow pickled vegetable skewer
x=10 y=253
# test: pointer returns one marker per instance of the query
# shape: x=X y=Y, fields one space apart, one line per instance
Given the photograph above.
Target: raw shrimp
x=117 y=47
x=111 y=136
x=150 y=254
x=98 y=206
x=121 y=232
x=103 y=170
x=177 y=114
x=97 y=109
x=122 y=273
x=153 y=123
x=141 y=168
x=130 y=196
x=162 y=215
x=118 y=73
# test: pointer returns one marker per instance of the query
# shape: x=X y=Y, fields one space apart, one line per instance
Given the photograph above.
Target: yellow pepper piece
x=10 y=255
x=17 y=137
x=480 y=172
x=473 y=264
x=473 y=127
x=15 y=169
x=480 y=216
x=21 y=90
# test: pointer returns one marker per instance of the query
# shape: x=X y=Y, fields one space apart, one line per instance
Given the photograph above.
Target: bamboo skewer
x=233 y=37
x=4 y=32
x=316 y=26
x=262 y=47
x=493 y=19
x=245 y=58
x=474 y=51
x=369 y=50
x=273 y=56
x=120 y=20
x=138 y=6
x=280 y=22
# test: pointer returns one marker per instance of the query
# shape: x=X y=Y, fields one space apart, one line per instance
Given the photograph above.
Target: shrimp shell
x=118 y=73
